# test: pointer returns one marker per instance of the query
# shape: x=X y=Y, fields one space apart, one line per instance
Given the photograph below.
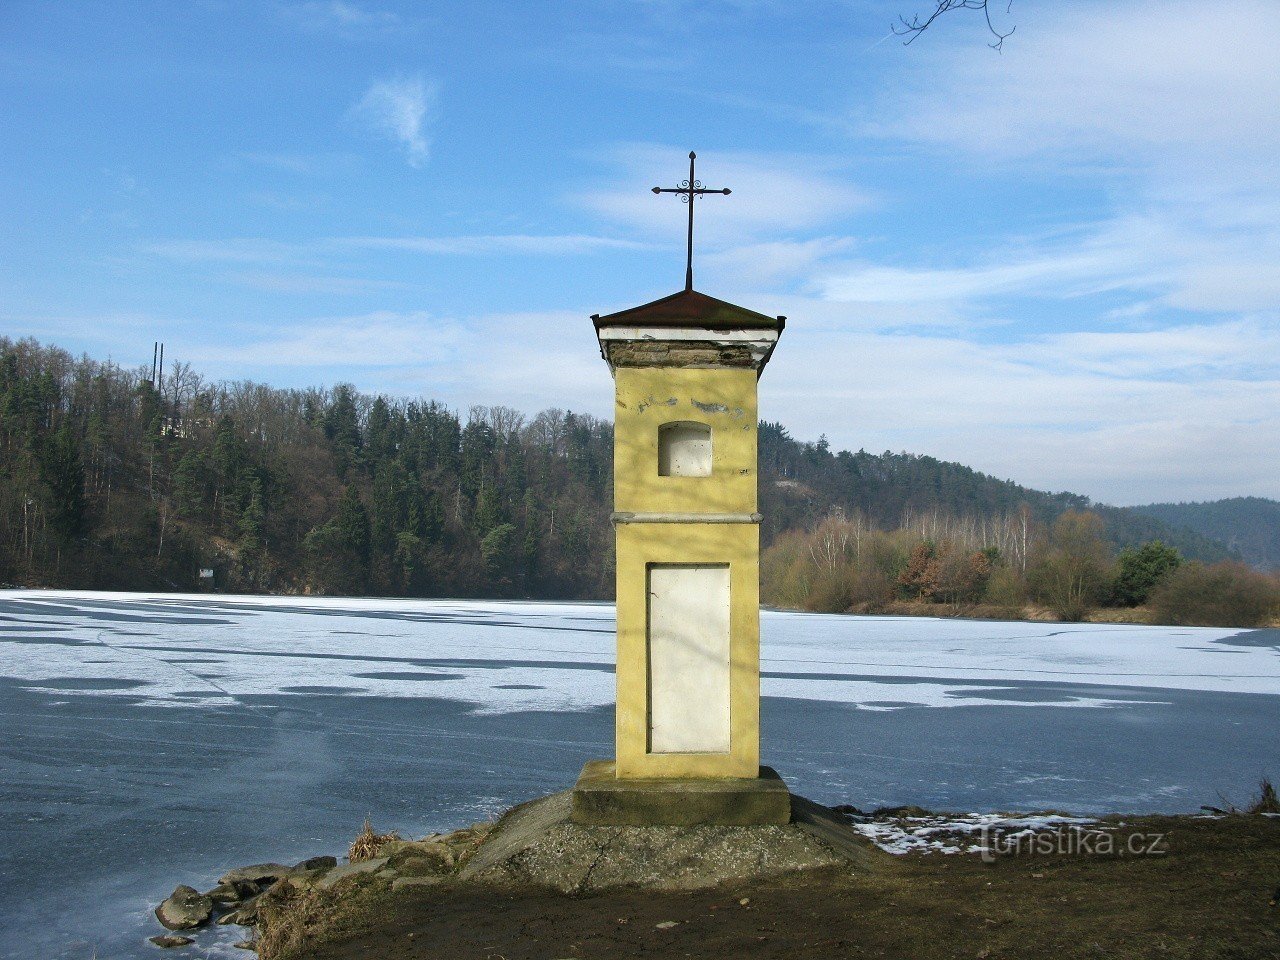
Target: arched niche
x=684 y=449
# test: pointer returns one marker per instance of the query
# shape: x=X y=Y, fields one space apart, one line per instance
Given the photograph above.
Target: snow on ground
x=509 y=656
x=980 y=833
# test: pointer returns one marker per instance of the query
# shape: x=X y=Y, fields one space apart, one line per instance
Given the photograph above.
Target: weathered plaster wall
x=639 y=546
x=649 y=397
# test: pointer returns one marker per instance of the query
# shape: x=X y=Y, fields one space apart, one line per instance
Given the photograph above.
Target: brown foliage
x=1219 y=595
x=368 y=842
x=1074 y=574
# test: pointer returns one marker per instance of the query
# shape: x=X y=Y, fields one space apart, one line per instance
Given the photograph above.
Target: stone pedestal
x=601 y=799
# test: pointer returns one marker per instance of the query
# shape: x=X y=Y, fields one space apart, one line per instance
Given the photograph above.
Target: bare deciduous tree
x=919 y=23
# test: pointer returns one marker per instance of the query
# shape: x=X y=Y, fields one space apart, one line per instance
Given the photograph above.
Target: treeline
x=803 y=483
x=111 y=480
x=1001 y=564
x=1249 y=525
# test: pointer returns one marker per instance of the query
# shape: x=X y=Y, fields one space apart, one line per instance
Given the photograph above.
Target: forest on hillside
x=116 y=479
x=1248 y=525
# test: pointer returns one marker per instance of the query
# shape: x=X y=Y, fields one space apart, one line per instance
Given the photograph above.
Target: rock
x=409 y=883
x=246 y=945
x=538 y=843
x=235 y=892
x=426 y=856
x=316 y=863
x=421 y=867
x=665 y=925
x=246 y=915
x=417 y=848
x=186 y=908
x=305 y=879
x=351 y=870
x=168 y=941
x=259 y=873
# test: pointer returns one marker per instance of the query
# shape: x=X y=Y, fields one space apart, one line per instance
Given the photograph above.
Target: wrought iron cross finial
x=689 y=191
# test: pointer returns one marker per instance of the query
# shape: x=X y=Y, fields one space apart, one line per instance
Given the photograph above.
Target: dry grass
x=1267 y=801
x=288 y=918
x=368 y=842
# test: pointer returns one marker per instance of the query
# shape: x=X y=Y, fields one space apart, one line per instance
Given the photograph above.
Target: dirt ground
x=1211 y=895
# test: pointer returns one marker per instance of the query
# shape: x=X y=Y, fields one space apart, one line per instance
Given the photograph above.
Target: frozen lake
x=150 y=740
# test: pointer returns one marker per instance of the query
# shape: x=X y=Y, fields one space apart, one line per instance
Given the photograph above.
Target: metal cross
x=689 y=190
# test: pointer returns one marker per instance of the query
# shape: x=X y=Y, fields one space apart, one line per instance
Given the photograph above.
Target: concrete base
x=600 y=799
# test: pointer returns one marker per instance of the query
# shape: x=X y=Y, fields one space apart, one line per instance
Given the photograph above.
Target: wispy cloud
x=257 y=250
x=516 y=243
x=340 y=16
x=772 y=193
x=402 y=110
x=310 y=164
x=1124 y=417
x=1115 y=82
x=314 y=283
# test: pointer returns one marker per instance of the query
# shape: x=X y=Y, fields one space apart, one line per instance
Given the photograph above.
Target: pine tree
x=63 y=474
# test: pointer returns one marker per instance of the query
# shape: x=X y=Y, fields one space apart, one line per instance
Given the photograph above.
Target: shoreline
x=1135 y=884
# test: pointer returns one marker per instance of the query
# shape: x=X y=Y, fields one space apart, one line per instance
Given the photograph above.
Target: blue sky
x=1059 y=264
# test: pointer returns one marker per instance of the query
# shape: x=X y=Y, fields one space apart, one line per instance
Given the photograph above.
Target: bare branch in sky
x=916 y=25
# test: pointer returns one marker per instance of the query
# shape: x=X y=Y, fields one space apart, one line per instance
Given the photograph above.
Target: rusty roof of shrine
x=689 y=308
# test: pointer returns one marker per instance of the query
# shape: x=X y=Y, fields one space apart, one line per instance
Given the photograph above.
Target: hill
x=803 y=482
x=1248 y=525
x=112 y=479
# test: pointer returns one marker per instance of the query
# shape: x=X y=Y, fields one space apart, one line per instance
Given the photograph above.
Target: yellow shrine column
x=688 y=542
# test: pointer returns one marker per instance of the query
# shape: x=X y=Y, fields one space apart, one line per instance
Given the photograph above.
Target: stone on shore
x=236 y=891
x=169 y=941
x=259 y=873
x=245 y=915
x=315 y=863
x=185 y=909
x=338 y=874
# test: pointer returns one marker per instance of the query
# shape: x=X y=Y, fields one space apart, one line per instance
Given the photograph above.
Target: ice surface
x=151 y=740
x=518 y=656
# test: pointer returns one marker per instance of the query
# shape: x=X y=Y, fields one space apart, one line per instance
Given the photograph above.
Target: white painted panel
x=688 y=658
x=684 y=450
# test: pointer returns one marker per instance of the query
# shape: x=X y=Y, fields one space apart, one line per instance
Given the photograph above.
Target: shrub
x=1075 y=574
x=1005 y=588
x=1141 y=569
x=830 y=591
x=1221 y=595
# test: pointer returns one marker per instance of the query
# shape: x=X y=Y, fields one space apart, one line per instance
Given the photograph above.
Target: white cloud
x=228 y=250
x=1105 y=80
x=1123 y=417
x=379 y=339
x=258 y=250
x=527 y=360
x=1168 y=107
x=401 y=110
x=775 y=261
x=530 y=244
x=340 y=17
x=313 y=284
x=772 y=193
